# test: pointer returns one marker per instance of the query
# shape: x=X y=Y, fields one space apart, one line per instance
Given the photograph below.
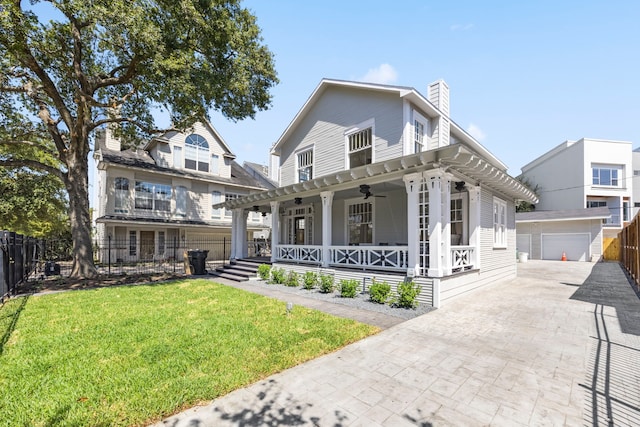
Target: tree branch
x=39 y=146
x=33 y=164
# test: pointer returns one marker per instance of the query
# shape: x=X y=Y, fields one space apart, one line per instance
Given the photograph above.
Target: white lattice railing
x=298 y=253
x=382 y=257
x=462 y=257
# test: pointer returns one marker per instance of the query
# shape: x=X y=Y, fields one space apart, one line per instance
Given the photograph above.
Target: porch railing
x=383 y=257
x=462 y=257
x=297 y=253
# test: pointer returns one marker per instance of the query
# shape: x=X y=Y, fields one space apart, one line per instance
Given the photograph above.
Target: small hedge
x=327 y=284
x=407 y=295
x=310 y=280
x=348 y=288
x=264 y=271
x=380 y=292
x=277 y=276
x=293 y=279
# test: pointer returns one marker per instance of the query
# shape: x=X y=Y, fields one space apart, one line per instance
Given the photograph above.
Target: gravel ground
x=361 y=301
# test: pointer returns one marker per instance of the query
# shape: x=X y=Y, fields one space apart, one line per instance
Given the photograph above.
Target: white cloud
x=384 y=74
x=476 y=132
x=460 y=27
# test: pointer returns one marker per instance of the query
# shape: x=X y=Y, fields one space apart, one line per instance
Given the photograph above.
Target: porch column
x=412 y=183
x=275 y=229
x=234 y=235
x=238 y=234
x=243 y=245
x=433 y=180
x=327 y=203
x=446 y=224
x=474 y=224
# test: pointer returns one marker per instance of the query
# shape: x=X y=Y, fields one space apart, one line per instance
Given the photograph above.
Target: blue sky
x=523 y=76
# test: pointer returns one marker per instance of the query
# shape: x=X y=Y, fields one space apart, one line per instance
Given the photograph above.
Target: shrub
x=277 y=276
x=326 y=283
x=348 y=288
x=264 y=271
x=380 y=292
x=309 y=280
x=407 y=294
x=293 y=279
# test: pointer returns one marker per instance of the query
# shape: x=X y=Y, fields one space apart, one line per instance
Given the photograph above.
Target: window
x=607 y=176
x=636 y=172
x=161 y=242
x=457 y=221
x=499 y=223
x=360 y=223
x=181 y=201
x=155 y=197
x=227 y=197
x=360 y=147
x=305 y=166
x=625 y=211
x=196 y=153
x=177 y=156
x=121 y=195
x=596 y=204
x=216 y=197
x=215 y=164
x=133 y=243
x=418 y=136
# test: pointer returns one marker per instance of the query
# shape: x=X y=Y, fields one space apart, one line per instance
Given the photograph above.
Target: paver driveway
x=559 y=345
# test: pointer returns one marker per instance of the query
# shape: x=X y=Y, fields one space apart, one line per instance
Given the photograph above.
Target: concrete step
x=229 y=276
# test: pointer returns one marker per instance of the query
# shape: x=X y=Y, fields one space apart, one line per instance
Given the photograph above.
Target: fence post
x=224 y=249
x=109 y=256
x=175 y=253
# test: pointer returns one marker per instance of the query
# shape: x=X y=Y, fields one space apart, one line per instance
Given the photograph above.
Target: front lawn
x=132 y=355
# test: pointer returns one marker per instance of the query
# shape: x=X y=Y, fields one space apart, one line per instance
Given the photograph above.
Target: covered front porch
x=418 y=215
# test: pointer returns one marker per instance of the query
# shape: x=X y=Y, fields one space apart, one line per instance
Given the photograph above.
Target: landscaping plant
x=407 y=295
x=264 y=271
x=309 y=280
x=277 y=276
x=348 y=288
x=293 y=279
x=380 y=292
x=327 y=284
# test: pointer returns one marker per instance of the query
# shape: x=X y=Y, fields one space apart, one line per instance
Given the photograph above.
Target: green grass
x=132 y=355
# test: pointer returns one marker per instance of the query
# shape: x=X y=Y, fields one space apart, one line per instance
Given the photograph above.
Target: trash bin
x=523 y=256
x=197 y=258
x=51 y=268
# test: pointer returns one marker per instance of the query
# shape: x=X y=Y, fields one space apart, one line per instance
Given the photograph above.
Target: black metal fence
x=17 y=253
x=25 y=258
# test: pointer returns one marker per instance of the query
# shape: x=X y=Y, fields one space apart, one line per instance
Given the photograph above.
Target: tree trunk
x=77 y=183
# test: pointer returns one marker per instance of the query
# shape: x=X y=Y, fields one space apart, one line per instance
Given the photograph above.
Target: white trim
x=356 y=201
x=500 y=203
x=417 y=117
x=370 y=123
x=297 y=154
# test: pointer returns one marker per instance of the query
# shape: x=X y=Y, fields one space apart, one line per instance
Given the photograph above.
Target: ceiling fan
x=366 y=190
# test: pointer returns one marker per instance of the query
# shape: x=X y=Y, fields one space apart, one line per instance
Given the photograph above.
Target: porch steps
x=241 y=270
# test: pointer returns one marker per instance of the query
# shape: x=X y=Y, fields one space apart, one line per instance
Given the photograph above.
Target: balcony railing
x=462 y=258
x=382 y=257
x=298 y=253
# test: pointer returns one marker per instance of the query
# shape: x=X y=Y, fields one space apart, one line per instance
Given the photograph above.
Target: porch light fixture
x=297 y=200
x=264 y=214
x=460 y=186
x=256 y=208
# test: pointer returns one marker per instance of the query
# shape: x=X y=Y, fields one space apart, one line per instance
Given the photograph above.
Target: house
x=154 y=202
x=378 y=181
x=635 y=162
x=573 y=176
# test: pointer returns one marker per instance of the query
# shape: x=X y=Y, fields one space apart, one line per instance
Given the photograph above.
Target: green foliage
x=407 y=295
x=348 y=288
x=97 y=357
x=89 y=65
x=293 y=279
x=277 y=276
x=380 y=292
x=310 y=280
x=327 y=283
x=264 y=271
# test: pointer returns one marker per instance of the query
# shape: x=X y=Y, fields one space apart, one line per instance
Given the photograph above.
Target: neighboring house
x=635 y=161
x=377 y=181
x=588 y=173
x=154 y=200
x=576 y=233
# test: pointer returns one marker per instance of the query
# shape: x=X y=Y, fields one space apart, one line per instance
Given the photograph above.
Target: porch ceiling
x=454 y=158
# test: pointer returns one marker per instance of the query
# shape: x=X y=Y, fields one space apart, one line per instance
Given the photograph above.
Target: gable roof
x=564 y=215
x=406 y=92
x=165 y=139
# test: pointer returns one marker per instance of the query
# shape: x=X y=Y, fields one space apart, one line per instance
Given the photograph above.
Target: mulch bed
x=57 y=283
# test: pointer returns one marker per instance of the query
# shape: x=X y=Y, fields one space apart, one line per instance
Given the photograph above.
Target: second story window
x=418 y=137
x=196 y=153
x=181 y=201
x=121 y=203
x=216 y=197
x=305 y=166
x=606 y=176
x=156 y=197
x=360 y=148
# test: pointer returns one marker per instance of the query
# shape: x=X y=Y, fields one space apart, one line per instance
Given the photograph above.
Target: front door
x=147 y=245
x=299 y=231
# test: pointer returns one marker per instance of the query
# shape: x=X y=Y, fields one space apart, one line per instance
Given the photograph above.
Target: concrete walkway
x=559 y=345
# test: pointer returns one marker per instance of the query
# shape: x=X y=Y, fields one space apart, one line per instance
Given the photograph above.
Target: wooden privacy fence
x=629 y=244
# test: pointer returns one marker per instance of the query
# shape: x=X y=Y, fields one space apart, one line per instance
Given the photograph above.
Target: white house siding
x=537 y=229
x=496 y=263
x=390 y=216
x=336 y=112
x=426 y=284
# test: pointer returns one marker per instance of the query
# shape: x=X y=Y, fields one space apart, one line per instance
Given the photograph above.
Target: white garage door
x=575 y=246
